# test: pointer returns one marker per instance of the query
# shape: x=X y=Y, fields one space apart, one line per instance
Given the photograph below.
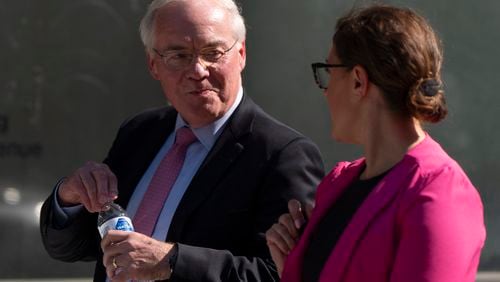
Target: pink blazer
x=422 y=222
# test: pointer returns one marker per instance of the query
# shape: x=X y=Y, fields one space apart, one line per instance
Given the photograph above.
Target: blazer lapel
x=226 y=149
x=150 y=141
x=383 y=194
x=326 y=198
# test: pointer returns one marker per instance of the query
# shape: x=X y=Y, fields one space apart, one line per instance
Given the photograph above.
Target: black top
x=331 y=226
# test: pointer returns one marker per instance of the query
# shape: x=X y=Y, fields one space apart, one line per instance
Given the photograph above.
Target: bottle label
x=122 y=223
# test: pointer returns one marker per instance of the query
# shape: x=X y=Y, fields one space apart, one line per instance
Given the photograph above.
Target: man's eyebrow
x=177 y=47
x=217 y=43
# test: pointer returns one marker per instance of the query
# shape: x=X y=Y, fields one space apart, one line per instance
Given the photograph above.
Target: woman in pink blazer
x=406 y=211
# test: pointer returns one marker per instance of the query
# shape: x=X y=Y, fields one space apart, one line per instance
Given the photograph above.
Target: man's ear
x=152 y=65
x=361 y=81
x=242 y=51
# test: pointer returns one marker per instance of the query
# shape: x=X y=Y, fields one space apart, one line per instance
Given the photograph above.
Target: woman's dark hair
x=401 y=54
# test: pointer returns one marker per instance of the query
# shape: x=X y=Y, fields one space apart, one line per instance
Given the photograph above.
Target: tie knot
x=184 y=136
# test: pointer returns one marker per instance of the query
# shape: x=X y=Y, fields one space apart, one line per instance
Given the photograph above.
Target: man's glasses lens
x=177 y=60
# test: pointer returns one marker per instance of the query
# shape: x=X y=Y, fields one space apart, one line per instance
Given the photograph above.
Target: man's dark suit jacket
x=256 y=165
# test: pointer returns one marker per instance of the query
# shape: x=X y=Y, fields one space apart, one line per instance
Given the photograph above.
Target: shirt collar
x=209 y=133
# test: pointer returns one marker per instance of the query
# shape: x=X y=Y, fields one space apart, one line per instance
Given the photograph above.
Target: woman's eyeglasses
x=321 y=73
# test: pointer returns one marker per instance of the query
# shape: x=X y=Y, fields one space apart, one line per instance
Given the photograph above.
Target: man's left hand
x=132 y=255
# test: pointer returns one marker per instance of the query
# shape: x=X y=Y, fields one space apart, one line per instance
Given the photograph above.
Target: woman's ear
x=361 y=81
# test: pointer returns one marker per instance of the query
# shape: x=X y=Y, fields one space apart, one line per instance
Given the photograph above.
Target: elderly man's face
x=201 y=92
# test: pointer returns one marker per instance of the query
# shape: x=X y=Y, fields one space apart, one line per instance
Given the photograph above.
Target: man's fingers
x=110 y=271
x=114 y=237
x=73 y=190
x=116 y=274
x=121 y=274
x=106 y=183
x=295 y=209
x=113 y=254
x=90 y=185
x=116 y=250
x=73 y=187
x=97 y=181
x=110 y=263
x=113 y=185
x=102 y=184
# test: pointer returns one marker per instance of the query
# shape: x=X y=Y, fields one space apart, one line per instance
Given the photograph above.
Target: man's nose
x=198 y=69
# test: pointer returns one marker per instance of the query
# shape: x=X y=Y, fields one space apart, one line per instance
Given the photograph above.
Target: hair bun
x=429 y=87
x=426 y=100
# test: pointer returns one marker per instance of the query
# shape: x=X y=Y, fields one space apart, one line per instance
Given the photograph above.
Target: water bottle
x=113 y=218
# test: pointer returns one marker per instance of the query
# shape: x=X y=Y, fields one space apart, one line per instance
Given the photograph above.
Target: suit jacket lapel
x=150 y=141
x=382 y=195
x=225 y=151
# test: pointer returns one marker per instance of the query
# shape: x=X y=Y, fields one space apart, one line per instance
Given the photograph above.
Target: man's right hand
x=92 y=185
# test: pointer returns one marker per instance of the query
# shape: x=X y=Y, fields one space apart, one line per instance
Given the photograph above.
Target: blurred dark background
x=72 y=71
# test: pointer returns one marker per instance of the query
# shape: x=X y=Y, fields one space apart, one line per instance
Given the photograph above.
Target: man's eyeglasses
x=180 y=59
x=321 y=73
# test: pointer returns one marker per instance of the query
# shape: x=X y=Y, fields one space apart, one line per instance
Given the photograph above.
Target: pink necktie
x=164 y=178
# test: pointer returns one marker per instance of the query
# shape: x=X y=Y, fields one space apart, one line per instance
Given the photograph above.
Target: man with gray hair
x=202 y=179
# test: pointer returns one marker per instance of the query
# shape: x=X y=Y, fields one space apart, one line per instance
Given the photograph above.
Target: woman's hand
x=283 y=235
